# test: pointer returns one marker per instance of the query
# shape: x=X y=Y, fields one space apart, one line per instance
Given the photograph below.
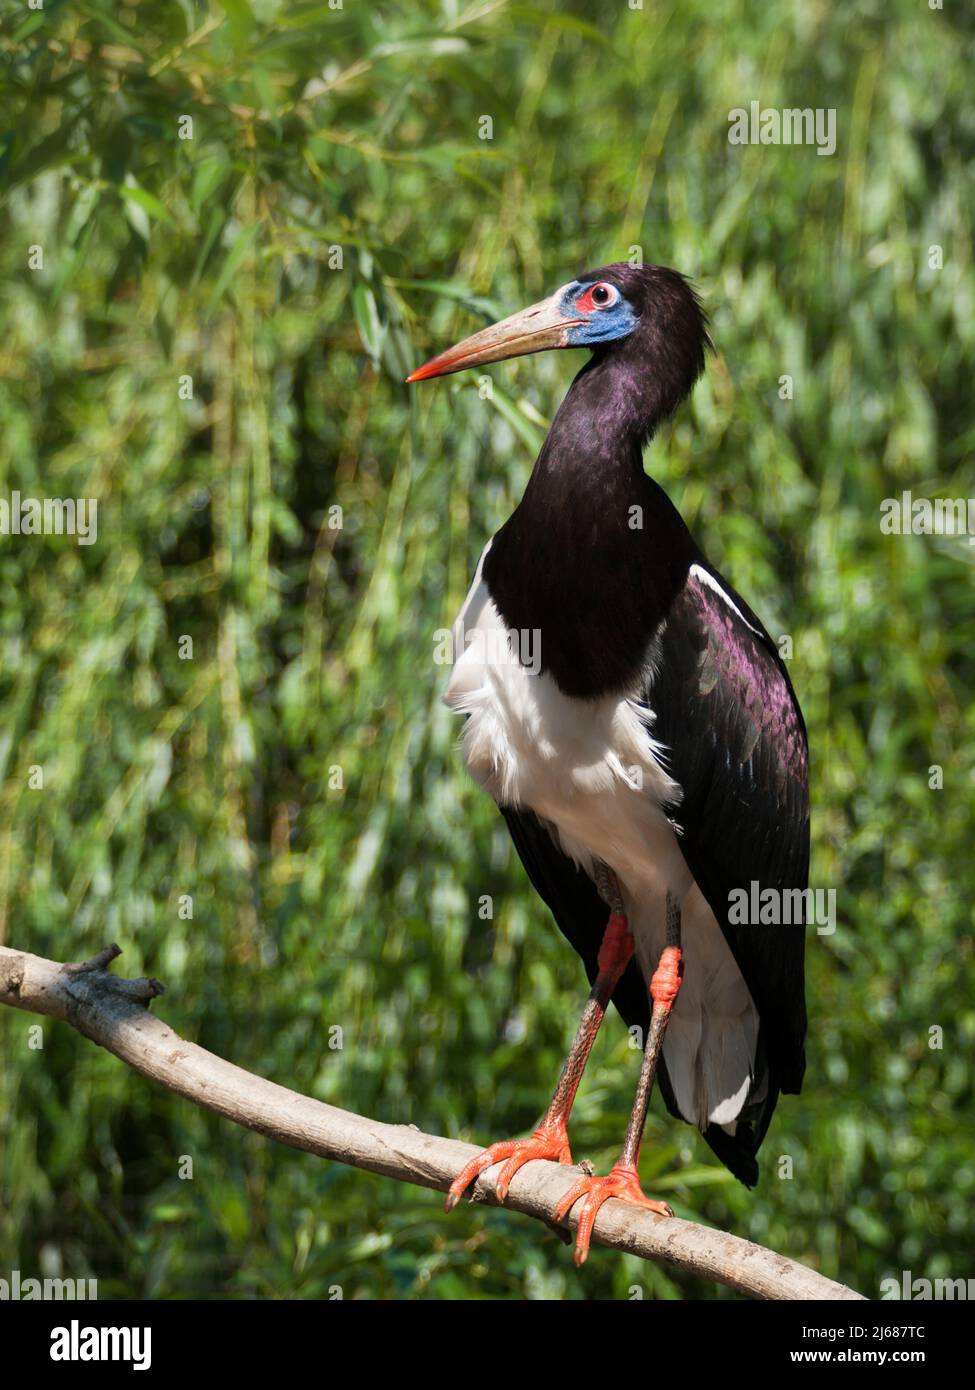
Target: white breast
x=592 y=770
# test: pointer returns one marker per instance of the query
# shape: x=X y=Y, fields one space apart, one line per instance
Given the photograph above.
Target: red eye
x=600 y=296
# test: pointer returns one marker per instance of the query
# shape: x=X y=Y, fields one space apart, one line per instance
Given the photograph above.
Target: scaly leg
x=550 y=1139
x=624 y=1180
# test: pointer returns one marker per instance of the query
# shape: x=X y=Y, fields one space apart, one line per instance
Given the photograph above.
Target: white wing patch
x=702 y=576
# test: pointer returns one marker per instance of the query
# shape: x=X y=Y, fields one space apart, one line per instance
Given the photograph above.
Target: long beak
x=541 y=326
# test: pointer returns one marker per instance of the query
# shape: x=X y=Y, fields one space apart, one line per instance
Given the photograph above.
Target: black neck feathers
x=594 y=554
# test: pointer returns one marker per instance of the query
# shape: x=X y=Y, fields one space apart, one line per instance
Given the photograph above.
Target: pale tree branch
x=113 y=1012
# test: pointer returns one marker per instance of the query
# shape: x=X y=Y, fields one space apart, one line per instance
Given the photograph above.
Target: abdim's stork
x=650 y=758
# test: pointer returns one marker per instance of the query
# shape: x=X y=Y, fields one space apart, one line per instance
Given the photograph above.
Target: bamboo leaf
x=367 y=320
x=147 y=203
x=243 y=241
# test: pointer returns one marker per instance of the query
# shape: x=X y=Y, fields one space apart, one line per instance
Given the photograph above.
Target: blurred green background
x=334 y=219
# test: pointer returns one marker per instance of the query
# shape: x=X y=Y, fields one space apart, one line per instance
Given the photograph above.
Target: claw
x=546 y=1142
x=622 y=1182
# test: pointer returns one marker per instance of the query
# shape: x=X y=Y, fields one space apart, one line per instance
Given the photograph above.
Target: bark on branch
x=114 y=1013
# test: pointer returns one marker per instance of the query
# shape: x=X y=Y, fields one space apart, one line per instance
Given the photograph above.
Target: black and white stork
x=650 y=759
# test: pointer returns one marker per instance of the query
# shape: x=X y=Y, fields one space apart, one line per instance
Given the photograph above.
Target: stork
x=651 y=762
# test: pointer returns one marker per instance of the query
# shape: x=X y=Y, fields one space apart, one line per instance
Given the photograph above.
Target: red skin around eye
x=585 y=305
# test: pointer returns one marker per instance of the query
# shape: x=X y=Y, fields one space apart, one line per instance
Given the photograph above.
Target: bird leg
x=624 y=1179
x=550 y=1139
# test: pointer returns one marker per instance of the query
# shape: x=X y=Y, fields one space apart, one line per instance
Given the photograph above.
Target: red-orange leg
x=550 y=1139
x=624 y=1180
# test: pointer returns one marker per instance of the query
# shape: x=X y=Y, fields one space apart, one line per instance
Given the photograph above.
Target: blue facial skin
x=601 y=325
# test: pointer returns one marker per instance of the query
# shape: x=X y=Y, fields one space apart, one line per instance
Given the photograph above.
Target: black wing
x=726 y=711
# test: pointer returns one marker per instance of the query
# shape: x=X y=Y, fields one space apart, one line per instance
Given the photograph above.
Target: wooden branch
x=113 y=1012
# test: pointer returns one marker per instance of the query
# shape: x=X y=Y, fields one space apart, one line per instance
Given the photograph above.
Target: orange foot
x=623 y=1181
x=550 y=1141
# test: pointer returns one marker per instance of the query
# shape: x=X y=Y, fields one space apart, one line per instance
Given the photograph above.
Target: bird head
x=647 y=313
